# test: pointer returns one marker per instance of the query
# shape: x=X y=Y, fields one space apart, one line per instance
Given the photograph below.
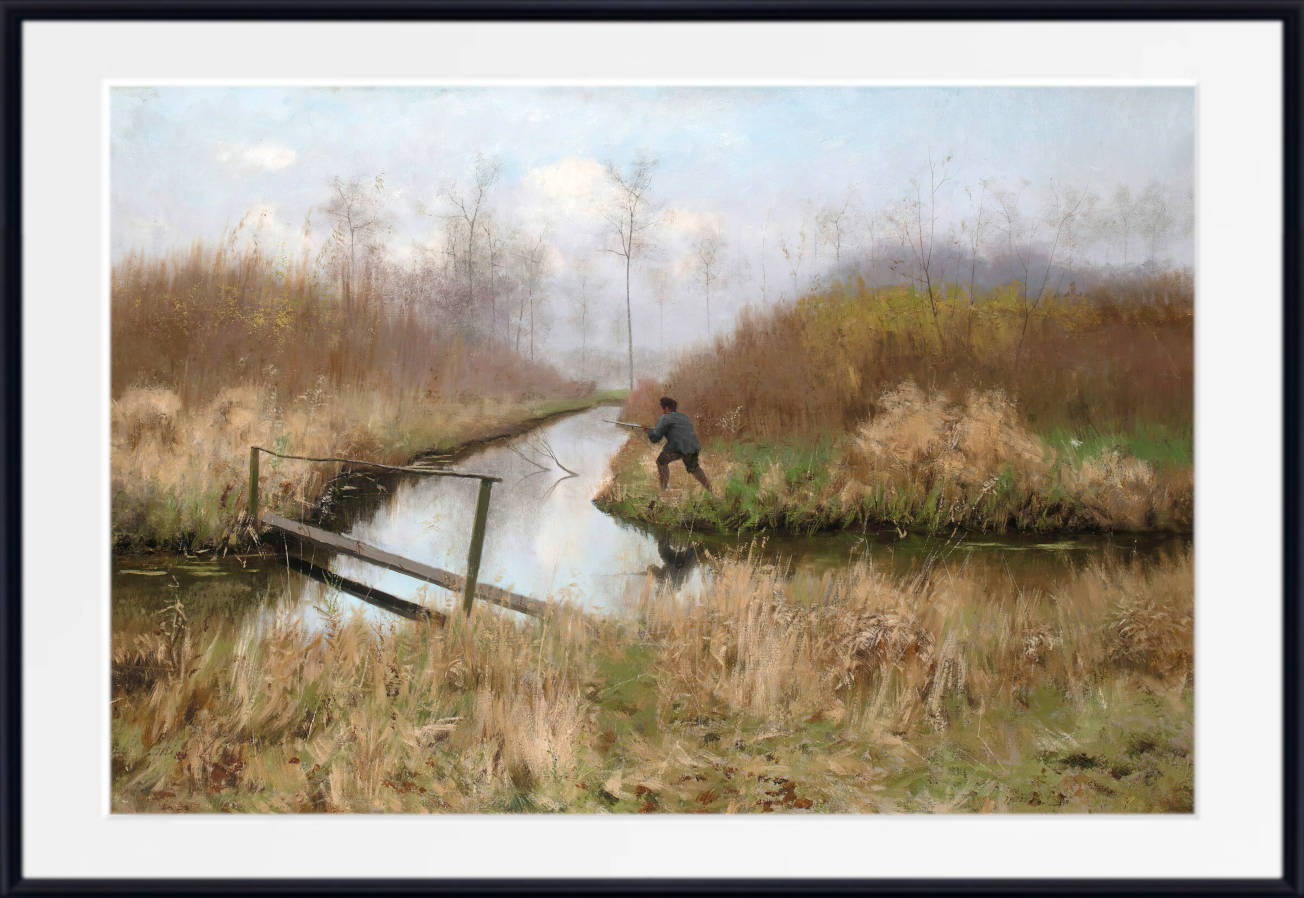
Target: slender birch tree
x=631 y=215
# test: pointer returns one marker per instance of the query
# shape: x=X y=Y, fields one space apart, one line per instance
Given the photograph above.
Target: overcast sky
x=188 y=162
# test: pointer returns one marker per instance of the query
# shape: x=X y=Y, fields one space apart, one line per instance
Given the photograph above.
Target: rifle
x=625 y=424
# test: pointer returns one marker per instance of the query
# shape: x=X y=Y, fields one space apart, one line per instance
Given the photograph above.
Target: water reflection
x=677 y=562
x=546 y=539
x=369 y=594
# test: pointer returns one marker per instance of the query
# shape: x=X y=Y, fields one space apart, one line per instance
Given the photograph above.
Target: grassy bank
x=181 y=474
x=921 y=464
x=215 y=350
x=1117 y=360
x=862 y=407
x=847 y=692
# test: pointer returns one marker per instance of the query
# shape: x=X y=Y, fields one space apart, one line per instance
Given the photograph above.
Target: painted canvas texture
x=795 y=450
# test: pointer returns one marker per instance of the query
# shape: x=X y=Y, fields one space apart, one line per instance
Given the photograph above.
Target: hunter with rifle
x=681 y=443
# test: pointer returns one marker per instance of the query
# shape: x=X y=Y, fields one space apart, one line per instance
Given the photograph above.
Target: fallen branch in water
x=548 y=492
x=527 y=459
x=542 y=447
x=548 y=451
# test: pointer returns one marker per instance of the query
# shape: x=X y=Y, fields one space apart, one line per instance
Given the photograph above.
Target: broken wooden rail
x=355 y=548
x=469 y=586
x=369 y=594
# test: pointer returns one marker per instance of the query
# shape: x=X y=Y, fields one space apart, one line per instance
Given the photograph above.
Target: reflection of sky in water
x=546 y=539
x=544 y=536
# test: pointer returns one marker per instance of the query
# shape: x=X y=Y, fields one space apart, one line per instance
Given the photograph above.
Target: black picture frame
x=15 y=14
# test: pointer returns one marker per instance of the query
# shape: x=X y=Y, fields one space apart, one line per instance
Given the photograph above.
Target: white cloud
x=573 y=179
x=571 y=192
x=268 y=155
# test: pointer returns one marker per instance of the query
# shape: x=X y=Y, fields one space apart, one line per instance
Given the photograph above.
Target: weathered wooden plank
x=347 y=545
x=252 y=510
x=369 y=594
x=477 y=544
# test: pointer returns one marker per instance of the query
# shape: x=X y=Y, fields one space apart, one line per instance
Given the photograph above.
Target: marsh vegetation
x=1078 y=418
x=847 y=691
x=217 y=350
x=947 y=564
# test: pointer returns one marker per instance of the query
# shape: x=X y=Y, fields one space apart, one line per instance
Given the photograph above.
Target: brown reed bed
x=922 y=462
x=851 y=691
x=216 y=349
x=856 y=407
x=1114 y=360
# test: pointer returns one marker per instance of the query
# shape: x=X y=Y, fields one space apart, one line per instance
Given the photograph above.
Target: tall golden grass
x=1109 y=360
x=845 y=692
x=210 y=318
x=218 y=349
x=978 y=461
x=921 y=462
x=180 y=474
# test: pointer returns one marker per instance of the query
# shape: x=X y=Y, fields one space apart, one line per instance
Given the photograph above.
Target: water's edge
x=547 y=538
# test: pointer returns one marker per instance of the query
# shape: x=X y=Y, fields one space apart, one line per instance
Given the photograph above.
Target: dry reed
x=218 y=349
x=850 y=691
x=922 y=461
x=1110 y=360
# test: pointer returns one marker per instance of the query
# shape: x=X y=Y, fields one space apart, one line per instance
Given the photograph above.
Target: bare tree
x=1155 y=219
x=1124 y=215
x=583 y=271
x=469 y=207
x=916 y=225
x=871 y=223
x=494 y=244
x=661 y=291
x=973 y=228
x=450 y=254
x=630 y=215
x=533 y=257
x=1024 y=242
x=706 y=254
x=1083 y=205
x=357 y=211
x=793 y=255
x=831 y=224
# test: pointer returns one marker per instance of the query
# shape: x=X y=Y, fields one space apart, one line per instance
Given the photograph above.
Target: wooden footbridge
x=468 y=586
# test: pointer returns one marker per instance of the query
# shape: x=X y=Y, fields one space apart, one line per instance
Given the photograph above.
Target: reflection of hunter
x=675 y=563
x=681 y=443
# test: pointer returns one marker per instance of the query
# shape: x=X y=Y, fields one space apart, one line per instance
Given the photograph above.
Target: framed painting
x=607 y=448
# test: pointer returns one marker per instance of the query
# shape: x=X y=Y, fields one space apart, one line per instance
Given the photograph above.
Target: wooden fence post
x=477 y=544
x=253 y=486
